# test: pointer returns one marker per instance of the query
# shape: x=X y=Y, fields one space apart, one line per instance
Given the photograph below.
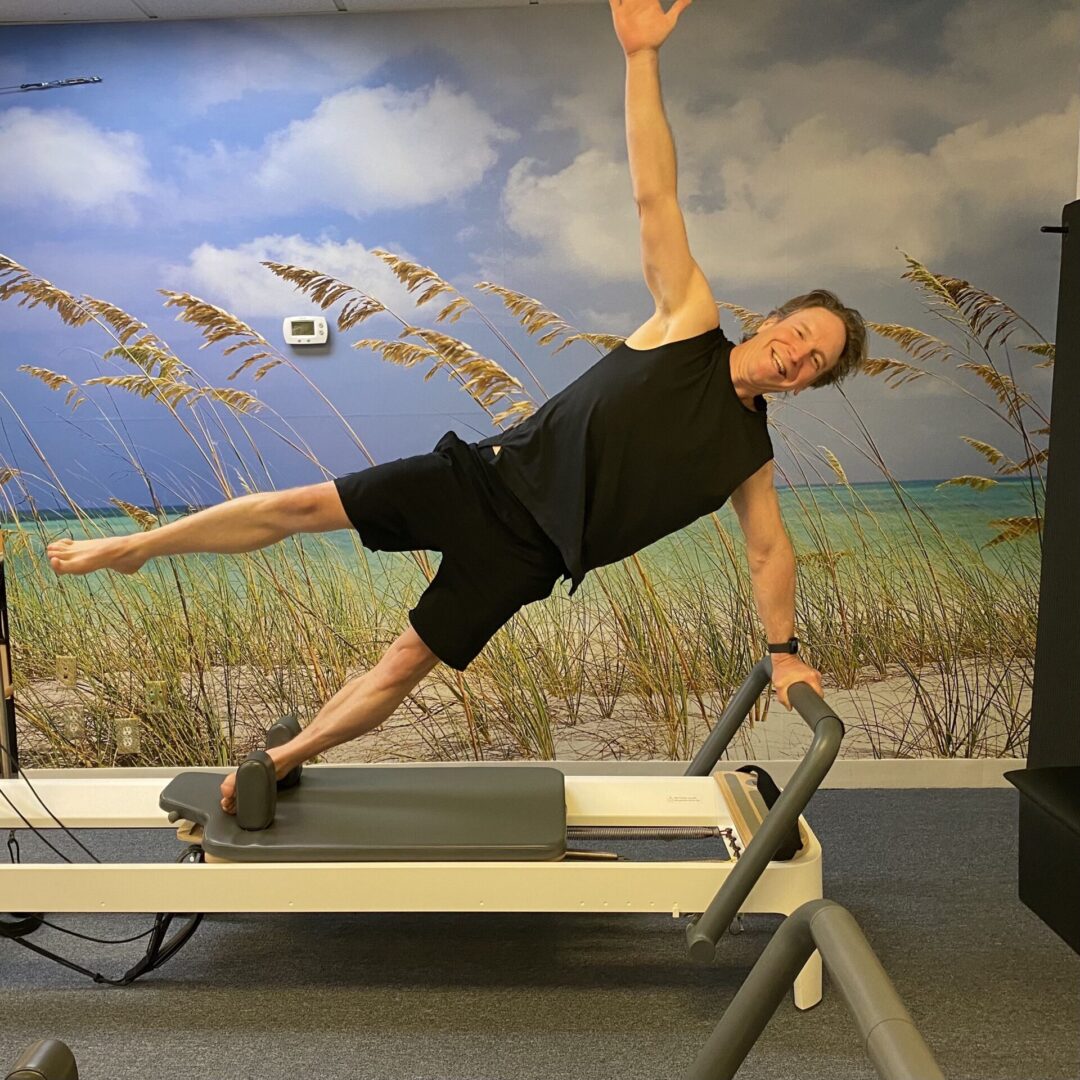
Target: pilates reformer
x=445 y=838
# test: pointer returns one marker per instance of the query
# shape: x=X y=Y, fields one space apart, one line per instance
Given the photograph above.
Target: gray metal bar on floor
x=49 y=1059
x=889 y=1035
x=703 y=932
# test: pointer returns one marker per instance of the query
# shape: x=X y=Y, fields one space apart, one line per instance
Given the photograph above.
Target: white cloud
x=1011 y=46
x=233 y=278
x=822 y=169
x=1001 y=59
x=361 y=151
x=365 y=150
x=820 y=204
x=814 y=202
x=562 y=210
x=56 y=158
x=596 y=122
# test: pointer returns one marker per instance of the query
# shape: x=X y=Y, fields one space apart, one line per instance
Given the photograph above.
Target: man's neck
x=743 y=387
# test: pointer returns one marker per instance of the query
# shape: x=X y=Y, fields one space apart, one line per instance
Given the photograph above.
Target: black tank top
x=639 y=446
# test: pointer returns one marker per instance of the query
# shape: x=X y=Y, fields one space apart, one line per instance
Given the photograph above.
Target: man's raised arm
x=653 y=169
x=642 y=27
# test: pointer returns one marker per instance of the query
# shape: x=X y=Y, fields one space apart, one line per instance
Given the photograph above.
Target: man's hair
x=854 y=352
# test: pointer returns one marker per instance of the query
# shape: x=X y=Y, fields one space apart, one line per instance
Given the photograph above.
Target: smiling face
x=787 y=355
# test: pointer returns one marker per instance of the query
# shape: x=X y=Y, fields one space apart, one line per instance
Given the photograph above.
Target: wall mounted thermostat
x=304 y=330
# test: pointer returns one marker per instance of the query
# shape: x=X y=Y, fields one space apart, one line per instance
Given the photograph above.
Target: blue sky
x=489 y=144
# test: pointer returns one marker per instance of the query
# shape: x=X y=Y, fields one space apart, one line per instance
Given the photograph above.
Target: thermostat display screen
x=304 y=330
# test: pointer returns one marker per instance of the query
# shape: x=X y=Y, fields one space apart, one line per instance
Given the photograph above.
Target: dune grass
x=238 y=640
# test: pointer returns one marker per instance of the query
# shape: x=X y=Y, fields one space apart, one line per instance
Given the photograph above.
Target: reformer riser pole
x=895 y=1047
x=737 y=710
x=704 y=932
x=753 y=1006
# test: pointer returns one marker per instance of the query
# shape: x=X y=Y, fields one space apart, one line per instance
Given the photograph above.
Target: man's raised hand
x=643 y=24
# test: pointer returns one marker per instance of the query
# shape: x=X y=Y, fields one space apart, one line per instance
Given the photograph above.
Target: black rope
x=159 y=949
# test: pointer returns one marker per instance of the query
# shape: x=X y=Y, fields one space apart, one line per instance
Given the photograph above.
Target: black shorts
x=495 y=557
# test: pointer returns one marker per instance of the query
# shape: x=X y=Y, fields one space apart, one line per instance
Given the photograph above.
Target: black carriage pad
x=389 y=814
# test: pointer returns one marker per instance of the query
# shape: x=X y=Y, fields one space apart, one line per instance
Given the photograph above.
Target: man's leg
x=244 y=524
x=359 y=706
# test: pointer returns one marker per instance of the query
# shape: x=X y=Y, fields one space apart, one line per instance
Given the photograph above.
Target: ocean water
x=957 y=512
x=812 y=514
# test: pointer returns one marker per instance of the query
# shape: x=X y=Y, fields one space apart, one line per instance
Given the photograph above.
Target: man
x=657 y=433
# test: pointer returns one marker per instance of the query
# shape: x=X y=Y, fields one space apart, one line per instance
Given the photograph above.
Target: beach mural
x=450 y=191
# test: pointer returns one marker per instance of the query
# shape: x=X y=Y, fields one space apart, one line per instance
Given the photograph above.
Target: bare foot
x=85 y=556
x=282 y=765
x=228 y=794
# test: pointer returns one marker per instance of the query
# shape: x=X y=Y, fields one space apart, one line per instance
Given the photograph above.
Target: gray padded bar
x=888 y=1034
x=703 y=933
x=49 y=1059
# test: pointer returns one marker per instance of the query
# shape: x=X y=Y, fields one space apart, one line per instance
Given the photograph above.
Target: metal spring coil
x=642 y=832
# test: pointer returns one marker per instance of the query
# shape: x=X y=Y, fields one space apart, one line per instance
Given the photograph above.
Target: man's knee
x=406 y=662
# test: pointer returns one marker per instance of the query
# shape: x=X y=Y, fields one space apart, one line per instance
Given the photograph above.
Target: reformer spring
x=642 y=832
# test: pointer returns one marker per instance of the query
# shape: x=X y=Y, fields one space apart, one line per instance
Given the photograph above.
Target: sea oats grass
x=634 y=665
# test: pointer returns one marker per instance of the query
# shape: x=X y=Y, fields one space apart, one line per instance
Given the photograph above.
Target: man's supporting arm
x=649 y=142
x=773 y=577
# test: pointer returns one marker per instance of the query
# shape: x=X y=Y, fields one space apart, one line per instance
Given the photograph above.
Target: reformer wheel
x=193 y=853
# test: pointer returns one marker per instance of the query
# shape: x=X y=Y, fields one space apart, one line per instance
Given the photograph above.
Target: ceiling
x=76 y=11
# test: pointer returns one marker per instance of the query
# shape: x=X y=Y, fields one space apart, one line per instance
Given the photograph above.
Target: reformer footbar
x=450 y=838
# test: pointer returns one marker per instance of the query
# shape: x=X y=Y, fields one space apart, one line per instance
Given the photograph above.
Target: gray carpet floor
x=930 y=876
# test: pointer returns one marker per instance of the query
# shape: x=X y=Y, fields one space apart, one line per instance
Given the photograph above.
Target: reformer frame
x=747 y=881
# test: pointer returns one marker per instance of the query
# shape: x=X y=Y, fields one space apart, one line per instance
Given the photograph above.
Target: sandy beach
x=883 y=717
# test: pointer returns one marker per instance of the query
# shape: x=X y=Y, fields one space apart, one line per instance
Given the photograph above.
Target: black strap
x=766 y=785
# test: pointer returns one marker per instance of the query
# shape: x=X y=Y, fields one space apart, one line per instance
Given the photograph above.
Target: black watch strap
x=789 y=646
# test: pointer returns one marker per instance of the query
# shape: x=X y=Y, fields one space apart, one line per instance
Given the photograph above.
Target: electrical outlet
x=65 y=670
x=126 y=732
x=73 y=726
x=155 y=696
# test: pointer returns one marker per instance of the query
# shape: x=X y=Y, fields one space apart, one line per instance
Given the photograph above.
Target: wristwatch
x=789 y=646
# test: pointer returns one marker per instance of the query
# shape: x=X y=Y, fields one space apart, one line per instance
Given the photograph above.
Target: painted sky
x=816 y=143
